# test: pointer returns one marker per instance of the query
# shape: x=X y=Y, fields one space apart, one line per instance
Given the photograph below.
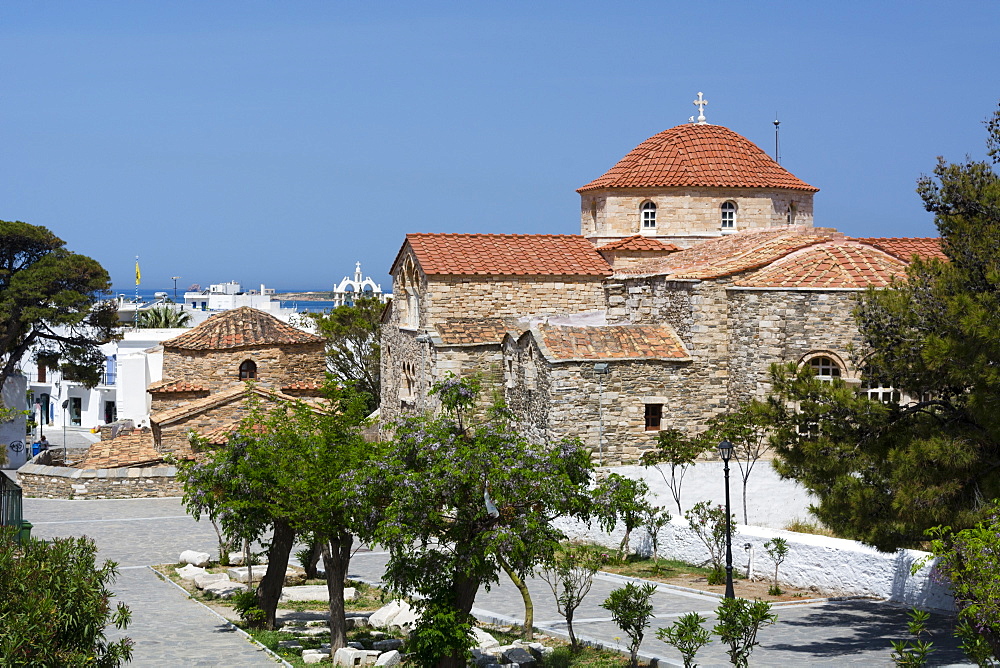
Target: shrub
x=631 y=609
x=739 y=622
x=55 y=604
x=687 y=635
x=709 y=524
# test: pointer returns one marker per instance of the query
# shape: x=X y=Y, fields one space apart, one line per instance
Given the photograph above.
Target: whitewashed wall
x=771 y=501
x=830 y=566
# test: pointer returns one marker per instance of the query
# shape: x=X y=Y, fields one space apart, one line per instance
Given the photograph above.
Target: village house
x=697 y=267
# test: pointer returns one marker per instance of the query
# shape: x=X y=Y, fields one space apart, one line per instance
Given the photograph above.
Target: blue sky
x=280 y=142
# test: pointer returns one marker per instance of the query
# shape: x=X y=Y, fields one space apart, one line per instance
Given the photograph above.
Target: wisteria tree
x=449 y=499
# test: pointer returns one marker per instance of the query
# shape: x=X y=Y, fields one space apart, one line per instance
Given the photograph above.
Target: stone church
x=697 y=266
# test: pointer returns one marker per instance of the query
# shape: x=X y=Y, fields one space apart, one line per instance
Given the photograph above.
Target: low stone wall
x=61 y=482
x=829 y=566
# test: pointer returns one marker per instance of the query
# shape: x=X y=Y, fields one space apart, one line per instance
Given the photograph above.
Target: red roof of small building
x=834 y=264
x=170 y=386
x=505 y=255
x=732 y=254
x=612 y=342
x=127 y=450
x=639 y=242
x=240 y=328
x=906 y=247
x=473 y=331
x=695 y=155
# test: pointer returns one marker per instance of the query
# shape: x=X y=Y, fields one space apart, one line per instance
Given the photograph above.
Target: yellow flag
x=138 y=276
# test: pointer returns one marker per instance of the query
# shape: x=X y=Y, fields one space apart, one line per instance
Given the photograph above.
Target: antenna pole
x=777 y=155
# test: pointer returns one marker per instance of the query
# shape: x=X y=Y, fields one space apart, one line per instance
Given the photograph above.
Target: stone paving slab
x=168 y=628
x=171 y=630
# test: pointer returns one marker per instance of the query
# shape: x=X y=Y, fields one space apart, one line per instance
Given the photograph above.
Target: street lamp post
x=726 y=451
x=175 y=287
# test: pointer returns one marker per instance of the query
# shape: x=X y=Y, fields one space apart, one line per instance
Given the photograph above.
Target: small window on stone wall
x=654 y=416
x=248 y=370
x=825 y=368
x=648 y=216
x=728 y=216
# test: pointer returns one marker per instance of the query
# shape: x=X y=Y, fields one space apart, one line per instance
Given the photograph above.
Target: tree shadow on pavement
x=862 y=626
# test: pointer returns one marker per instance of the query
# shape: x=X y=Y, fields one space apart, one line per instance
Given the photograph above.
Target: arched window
x=825 y=368
x=648 y=215
x=728 y=216
x=791 y=213
x=248 y=370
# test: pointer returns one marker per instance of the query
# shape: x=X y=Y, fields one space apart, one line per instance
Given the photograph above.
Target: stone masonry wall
x=276 y=365
x=687 y=212
x=174 y=436
x=783 y=326
x=59 y=482
x=485 y=297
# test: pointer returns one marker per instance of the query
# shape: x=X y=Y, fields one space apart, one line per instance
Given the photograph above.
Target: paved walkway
x=171 y=630
x=167 y=627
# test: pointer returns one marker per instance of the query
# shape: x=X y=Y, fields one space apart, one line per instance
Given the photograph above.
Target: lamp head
x=725 y=450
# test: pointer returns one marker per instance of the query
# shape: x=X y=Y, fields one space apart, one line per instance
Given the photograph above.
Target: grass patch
x=638 y=566
x=801 y=526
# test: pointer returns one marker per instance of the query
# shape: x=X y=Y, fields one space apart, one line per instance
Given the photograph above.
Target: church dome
x=698 y=155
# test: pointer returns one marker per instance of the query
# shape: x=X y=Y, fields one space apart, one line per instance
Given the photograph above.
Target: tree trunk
x=569 y=628
x=464 y=590
x=315 y=554
x=336 y=562
x=528 y=630
x=274 y=578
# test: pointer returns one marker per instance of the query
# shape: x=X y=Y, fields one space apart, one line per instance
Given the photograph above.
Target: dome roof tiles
x=696 y=155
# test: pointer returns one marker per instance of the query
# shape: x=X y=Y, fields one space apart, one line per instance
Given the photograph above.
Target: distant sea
x=148 y=295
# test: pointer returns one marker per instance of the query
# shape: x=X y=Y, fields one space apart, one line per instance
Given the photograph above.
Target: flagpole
x=137 y=278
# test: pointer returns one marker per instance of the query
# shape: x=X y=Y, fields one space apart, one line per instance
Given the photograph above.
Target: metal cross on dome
x=701 y=103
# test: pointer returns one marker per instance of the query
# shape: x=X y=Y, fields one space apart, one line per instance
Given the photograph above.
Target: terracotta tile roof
x=694 y=155
x=612 y=342
x=165 y=386
x=906 y=247
x=473 y=331
x=835 y=264
x=505 y=255
x=234 y=393
x=733 y=253
x=239 y=328
x=639 y=243
x=123 y=451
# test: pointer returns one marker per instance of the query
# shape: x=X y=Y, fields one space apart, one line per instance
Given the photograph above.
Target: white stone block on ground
x=195 y=558
x=484 y=640
x=224 y=588
x=380 y=618
x=189 y=572
x=203 y=579
x=314 y=658
x=390 y=658
x=289 y=644
x=305 y=593
x=240 y=573
x=405 y=619
x=235 y=558
x=349 y=656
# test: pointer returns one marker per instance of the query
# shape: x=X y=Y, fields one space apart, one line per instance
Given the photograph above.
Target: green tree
x=678 y=451
x=50 y=303
x=970 y=560
x=163 y=317
x=55 y=604
x=570 y=575
x=353 y=348
x=449 y=498
x=283 y=471
x=708 y=523
x=631 y=609
x=687 y=635
x=748 y=429
x=621 y=499
x=884 y=473
x=740 y=621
